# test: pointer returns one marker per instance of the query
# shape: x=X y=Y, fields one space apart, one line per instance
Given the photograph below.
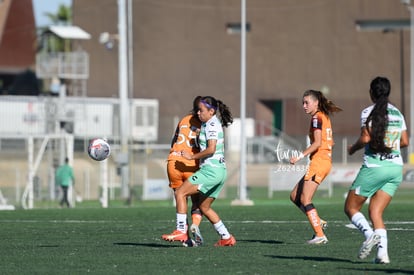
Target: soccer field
x=270 y=235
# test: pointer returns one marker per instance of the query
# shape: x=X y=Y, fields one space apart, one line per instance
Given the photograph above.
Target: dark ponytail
x=377 y=120
x=324 y=105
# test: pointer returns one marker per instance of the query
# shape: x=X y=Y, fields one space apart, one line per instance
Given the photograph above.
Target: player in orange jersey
x=319 y=152
x=179 y=168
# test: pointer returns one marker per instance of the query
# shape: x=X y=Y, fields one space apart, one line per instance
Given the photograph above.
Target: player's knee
x=196 y=211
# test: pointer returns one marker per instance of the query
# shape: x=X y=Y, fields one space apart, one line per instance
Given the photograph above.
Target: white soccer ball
x=99 y=149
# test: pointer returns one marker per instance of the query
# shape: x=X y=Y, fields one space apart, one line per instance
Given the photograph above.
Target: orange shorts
x=178 y=172
x=318 y=170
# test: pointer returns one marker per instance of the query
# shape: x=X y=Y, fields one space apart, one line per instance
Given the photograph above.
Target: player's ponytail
x=221 y=110
x=377 y=120
x=324 y=105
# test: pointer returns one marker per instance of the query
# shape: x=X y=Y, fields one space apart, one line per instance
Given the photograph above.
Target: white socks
x=362 y=224
x=182 y=222
x=222 y=230
x=383 y=245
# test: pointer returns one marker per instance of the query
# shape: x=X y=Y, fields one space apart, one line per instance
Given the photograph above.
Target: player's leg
x=296 y=193
x=353 y=205
x=196 y=216
x=226 y=239
x=309 y=189
x=316 y=173
x=181 y=194
x=295 y=197
x=213 y=182
x=377 y=205
x=65 y=196
x=62 y=200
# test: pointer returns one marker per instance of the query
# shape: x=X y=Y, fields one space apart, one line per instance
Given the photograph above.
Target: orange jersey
x=321 y=121
x=185 y=139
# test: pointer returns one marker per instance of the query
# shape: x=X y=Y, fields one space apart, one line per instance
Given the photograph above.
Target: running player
x=179 y=168
x=319 y=151
x=383 y=133
x=209 y=179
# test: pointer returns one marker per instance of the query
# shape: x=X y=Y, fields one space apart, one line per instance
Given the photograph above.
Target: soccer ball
x=99 y=149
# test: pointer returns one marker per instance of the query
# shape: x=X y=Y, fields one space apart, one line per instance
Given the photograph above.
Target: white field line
x=226 y=221
x=336 y=223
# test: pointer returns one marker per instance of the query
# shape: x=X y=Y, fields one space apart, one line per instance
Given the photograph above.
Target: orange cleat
x=226 y=242
x=177 y=235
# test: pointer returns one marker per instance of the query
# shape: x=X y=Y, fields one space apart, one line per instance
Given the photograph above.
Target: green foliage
x=63 y=16
x=270 y=235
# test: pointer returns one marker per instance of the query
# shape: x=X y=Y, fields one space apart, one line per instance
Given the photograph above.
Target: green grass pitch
x=270 y=235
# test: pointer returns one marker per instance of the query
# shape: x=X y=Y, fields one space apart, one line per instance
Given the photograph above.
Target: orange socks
x=314 y=220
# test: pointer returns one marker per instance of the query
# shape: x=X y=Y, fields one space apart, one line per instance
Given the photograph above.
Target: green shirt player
x=210 y=178
x=64 y=178
x=383 y=133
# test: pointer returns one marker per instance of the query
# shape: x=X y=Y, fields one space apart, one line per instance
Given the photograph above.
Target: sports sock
x=181 y=222
x=196 y=216
x=314 y=220
x=196 y=219
x=359 y=220
x=383 y=245
x=222 y=230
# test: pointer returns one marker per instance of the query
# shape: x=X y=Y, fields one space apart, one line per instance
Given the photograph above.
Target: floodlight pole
x=123 y=98
x=400 y=25
x=243 y=200
x=243 y=183
x=411 y=130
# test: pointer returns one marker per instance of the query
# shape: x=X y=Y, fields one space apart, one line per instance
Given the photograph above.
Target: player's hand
x=186 y=155
x=295 y=159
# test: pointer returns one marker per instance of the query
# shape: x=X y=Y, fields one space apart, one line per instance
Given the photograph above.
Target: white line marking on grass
x=329 y=222
x=350 y=225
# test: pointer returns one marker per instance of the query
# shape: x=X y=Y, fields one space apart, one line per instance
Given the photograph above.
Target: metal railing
x=64 y=65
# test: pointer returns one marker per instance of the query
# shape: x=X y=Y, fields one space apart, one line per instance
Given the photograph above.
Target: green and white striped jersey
x=396 y=124
x=212 y=129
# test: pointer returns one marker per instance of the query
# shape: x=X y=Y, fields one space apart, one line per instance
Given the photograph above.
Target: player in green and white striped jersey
x=383 y=133
x=210 y=178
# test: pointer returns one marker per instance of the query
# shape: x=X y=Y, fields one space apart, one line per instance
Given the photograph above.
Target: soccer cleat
x=226 y=242
x=324 y=224
x=196 y=235
x=383 y=260
x=176 y=235
x=318 y=240
x=367 y=246
x=189 y=243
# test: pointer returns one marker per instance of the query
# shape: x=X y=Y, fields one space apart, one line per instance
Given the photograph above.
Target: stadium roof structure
x=70 y=32
x=382 y=25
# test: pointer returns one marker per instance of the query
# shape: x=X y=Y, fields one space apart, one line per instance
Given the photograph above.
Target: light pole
x=243 y=200
x=386 y=26
x=123 y=98
x=124 y=73
x=411 y=130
